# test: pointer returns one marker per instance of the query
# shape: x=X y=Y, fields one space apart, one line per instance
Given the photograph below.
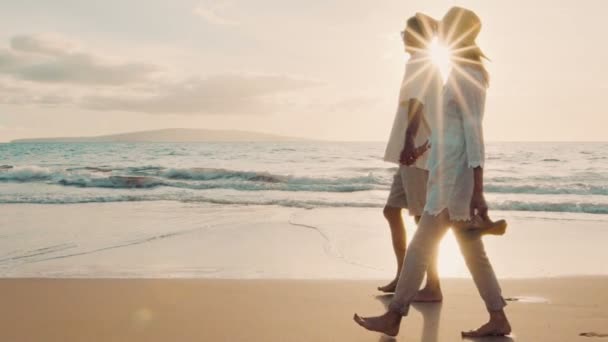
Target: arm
x=414 y=114
x=478 y=200
x=413 y=90
x=472 y=112
x=410 y=151
x=472 y=122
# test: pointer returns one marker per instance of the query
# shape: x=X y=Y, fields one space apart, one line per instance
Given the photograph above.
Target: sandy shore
x=231 y=259
x=558 y=309
x=189 y=240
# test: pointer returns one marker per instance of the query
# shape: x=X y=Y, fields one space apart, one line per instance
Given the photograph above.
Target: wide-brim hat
x=430 y=25
x=460 y=28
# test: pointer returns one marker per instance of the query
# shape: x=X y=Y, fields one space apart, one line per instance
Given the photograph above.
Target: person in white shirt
x=455 y=187
x=420 y=88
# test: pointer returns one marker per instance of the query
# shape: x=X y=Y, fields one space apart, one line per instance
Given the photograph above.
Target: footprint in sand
x=592 y=334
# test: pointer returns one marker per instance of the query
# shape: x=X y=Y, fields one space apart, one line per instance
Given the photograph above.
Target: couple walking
x=437 y=139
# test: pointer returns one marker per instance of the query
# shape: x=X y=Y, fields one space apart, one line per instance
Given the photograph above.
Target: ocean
x=551 y=178
x=278 y=210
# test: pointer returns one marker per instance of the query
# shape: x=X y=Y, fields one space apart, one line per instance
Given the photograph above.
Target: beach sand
x=62 y=310
x=170 y=271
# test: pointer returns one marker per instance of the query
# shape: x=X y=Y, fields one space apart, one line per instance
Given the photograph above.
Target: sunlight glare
x=441 y=57
x=450 y=261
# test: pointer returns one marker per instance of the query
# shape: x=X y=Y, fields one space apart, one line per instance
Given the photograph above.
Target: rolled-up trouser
x=423 y=246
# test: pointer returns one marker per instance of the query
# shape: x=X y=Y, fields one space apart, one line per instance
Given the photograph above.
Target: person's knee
x=391 y=213
x=466 y=238
x=418 y=255
x=471 y=247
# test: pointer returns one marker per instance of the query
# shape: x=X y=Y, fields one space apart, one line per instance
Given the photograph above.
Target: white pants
x=423 y=246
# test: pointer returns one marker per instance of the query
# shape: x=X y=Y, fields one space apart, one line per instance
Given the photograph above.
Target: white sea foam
x=553 y=177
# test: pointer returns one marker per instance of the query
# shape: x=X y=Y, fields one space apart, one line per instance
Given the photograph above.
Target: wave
x=561 y=207
x=25 y=174
x=210 y=178
x=294 y=203
x=183 y=184
x=548 y=189
x=118 y=182
x=190 y=178
x=573 y=176
x=203 y=174
x=92 y=168
x=207 y=178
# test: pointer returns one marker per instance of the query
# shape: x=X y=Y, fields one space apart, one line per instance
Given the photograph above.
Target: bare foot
x=427 y=295
x=390 y=287
x=492 y=328
x=387 y=324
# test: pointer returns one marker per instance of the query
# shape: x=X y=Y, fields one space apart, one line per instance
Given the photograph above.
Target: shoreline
x=188 y=240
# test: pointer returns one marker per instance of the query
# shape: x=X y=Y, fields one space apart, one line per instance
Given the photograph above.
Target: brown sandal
x=486 y=227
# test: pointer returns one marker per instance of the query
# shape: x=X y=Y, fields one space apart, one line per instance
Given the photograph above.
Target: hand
x=420 y=150
x=410 y=153
x=479 y=206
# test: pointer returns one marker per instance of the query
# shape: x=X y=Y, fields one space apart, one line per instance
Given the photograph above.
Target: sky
x=320 y=69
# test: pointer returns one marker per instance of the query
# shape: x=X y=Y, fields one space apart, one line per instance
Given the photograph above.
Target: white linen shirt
x=457 y=144
x=421 y=81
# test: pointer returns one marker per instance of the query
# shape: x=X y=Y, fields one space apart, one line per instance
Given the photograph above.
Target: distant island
x=172 y=135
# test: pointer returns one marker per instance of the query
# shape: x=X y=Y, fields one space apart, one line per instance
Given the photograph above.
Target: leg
x=431 y=293
x=421 y=253
x=427 y=237
x=415 y=189
x=472 y=249
x=432 y=274
x=399 y=238
x=397 y=199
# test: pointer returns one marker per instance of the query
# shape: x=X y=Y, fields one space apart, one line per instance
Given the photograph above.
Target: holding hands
x=411 y=153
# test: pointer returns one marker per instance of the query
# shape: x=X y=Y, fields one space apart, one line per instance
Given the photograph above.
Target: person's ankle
x=498 y=315
x=435 y=288
x=395 y=315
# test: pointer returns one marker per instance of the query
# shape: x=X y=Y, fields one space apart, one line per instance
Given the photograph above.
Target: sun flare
x=440 y=56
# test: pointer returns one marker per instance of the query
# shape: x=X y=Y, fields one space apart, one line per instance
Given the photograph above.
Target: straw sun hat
x=459 y=28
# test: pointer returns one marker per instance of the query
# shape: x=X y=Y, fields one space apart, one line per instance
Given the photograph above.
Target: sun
x=441 y=57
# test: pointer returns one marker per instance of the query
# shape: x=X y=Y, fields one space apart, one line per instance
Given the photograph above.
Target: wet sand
x=189 y=240
x=552 y=309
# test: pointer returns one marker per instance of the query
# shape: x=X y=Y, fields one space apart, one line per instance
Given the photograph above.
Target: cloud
x=21 y=95
x=45 y=44
x=29 y=99
x=7 y=87
x=9 y=60
x=213 y=13
x=220 y=94
x=50 y=70
x=51 y=59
